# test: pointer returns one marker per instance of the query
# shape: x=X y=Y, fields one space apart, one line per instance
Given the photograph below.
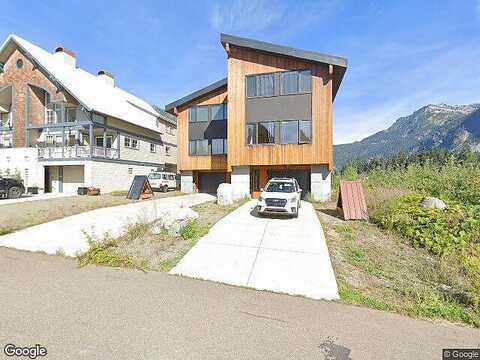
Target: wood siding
x=242 y=62
x=184 y=160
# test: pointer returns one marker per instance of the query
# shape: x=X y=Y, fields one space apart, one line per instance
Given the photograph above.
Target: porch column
x=240 y=180
x=105 y=142
x=90 y=138
x=118 y=144
x=63 y=142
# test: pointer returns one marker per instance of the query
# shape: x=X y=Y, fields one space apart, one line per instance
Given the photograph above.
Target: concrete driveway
x=69 y=234
x=278 y=254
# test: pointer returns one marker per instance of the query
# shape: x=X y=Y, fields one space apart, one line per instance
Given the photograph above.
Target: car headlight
x=293 y=200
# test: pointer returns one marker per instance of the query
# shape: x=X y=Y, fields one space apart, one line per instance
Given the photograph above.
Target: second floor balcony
x=76 y=152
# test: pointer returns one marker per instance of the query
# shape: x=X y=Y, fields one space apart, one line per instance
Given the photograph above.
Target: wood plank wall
x=243 y=61
x=184 y=160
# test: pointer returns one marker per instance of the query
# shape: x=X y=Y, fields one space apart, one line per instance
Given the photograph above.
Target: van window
x=164 y=176
x=171 y=177
x=154 y=176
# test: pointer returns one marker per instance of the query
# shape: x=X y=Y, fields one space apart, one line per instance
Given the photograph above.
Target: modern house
x=62 y=127
x=271 y=116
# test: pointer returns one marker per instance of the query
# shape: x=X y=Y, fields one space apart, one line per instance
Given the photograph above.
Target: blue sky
x=402 y=54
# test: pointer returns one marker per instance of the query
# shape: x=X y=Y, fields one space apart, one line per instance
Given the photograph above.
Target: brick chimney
x=106 y=77
x=66 y=56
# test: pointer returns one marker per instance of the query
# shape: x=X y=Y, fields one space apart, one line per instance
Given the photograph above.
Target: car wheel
x=296 y=214
x=14 y=192
x=165 y=188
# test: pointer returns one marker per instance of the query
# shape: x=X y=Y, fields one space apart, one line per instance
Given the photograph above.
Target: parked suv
x=11 y=188
x=162 y=181
x=280 y=196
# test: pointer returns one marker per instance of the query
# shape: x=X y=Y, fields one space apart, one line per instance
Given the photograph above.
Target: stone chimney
x=66 y=56
x=106 y=77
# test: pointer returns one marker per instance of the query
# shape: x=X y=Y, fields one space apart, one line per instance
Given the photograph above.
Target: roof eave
x=196 y=94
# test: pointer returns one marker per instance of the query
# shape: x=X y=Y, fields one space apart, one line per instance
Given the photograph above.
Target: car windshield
x=154 y=176
x=282 y=187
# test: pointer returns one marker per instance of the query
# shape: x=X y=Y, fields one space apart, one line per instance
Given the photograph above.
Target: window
x=251 y=134
x=260 y=85
x=295 y=82
x=199 y=147
x=49 y=139
x=19 y=63
x=130 y=171
x=207 y=113
x=153 y=148
x=198 y=113
x=131 y=143
x=99 y=141
x=164 y=176
x=219 y=112
x=289 y=132
x=167 y=150
x=171 y=177
x=266 y=133
x=304 y=131
x=219 y=147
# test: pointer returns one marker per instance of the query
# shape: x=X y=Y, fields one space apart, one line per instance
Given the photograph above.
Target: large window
x=199 y=147
x=204 y=113
x=99 y=141
x=295 y=82
x=289 y=132
x=260 y=85
x=131 y=143
x=266 y=132
x=304 y=131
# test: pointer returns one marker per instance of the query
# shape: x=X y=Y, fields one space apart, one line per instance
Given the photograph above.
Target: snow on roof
x=89 y=90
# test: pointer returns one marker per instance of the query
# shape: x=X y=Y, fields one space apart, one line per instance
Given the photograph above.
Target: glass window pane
x=251 y=86
x=265 y=85
x=217 y=112
x=217 y=147
x=202 y=113
x=305 y=131
x=202 y=147
x=289 y=83
x=225 y=142
x=192 y=114
x=266 y=132
x=99 y=141
x=251 y=134
x=193 y=147
x=289 y=132
x=305 y=81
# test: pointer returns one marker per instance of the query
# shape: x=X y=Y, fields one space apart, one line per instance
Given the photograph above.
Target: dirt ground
x=18 y=216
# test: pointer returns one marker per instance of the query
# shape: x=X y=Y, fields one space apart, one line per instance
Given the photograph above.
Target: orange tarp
x=351 y=201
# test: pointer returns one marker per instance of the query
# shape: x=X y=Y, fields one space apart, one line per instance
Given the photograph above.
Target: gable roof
x=90 y=91
x=172 y=119
x=196 y=94
x=339 y=63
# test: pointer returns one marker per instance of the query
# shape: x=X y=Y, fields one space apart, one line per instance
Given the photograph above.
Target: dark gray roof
x=172 y=119
x=196 y=94
x=339 y=63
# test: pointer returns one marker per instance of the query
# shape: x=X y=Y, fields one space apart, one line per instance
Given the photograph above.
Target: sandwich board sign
x=351 y=204
x=140 y=188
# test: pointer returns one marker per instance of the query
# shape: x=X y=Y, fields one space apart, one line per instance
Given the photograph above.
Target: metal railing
x=76 y=152
x=61 y=115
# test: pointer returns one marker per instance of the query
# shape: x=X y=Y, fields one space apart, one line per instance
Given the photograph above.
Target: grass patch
x=5 y=231
x=119 y=193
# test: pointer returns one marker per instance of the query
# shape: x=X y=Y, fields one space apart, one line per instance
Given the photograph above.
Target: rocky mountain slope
x=433 y=126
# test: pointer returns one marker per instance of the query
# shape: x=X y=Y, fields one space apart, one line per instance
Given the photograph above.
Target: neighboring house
x=62 y=127
x=271 y=116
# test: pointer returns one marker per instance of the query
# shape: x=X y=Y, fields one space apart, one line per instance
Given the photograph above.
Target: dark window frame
x=278 y=77
x=250 y=76
x=311 y=131
x=280 y=132
x=192 y=113
x=297 y=72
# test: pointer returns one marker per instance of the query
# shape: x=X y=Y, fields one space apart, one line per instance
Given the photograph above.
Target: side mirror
x=299 y=190
x=261 y=189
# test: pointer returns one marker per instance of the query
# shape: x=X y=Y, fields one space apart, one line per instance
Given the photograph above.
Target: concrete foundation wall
x=186 y=184
x=321 y=183
x=240 y=180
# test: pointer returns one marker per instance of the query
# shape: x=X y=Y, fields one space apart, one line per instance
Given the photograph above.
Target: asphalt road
x=103 y=313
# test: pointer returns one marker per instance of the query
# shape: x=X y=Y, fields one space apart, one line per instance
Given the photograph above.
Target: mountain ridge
x=433 y=126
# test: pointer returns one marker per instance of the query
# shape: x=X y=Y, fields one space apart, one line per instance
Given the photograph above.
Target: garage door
x=302 y=176
x=208 y=182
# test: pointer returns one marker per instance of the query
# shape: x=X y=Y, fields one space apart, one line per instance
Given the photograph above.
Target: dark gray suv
x=11 y=188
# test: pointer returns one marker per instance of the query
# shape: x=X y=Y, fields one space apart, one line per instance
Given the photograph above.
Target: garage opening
x=64 y=179
x=302 y=176
x=208 y=182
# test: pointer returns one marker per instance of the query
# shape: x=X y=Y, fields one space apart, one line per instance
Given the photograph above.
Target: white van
x=162 y=181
